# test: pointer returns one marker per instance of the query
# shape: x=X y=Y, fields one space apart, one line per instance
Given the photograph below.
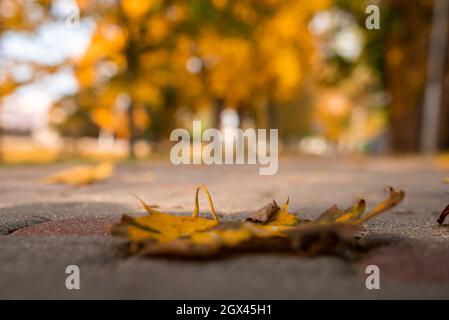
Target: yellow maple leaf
x=161 y=233
x=165 y=227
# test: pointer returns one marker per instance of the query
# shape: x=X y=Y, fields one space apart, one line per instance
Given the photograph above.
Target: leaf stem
x=209 y=198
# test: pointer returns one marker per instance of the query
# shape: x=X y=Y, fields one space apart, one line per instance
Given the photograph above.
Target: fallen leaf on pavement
x=442 y=161
x=271 y=228
x=443 y=215
x=81 y=175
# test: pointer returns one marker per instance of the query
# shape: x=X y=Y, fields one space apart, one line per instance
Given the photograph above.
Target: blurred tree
x=398 y=51
x=444 y=117
x=147 y=59
x=156 y=55
x=252 y=53
x=125 y=68
x=433 y=95
x=406 y=45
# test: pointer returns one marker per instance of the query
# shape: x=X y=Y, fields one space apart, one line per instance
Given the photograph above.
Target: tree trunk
x=1 y=144
x=406 y=43
x=132 y=71
x=435 y=76
x=272 y=120
x=132 y=130
x=444 y=119
x=218 y=105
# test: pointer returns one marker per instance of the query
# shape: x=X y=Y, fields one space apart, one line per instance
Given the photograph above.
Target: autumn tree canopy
x=148 y=58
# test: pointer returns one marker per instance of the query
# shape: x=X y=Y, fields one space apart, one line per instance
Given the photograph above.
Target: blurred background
x=111 y=79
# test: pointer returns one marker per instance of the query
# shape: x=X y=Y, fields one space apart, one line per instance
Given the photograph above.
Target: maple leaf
x=269 y=228
x=443 y=215
x=81 y=175
x=393 y=199
x=164 y=227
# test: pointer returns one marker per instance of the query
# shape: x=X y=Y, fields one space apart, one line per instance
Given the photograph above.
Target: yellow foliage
x=230 y=71
x=108 y=39
x=145 y=91
x=142 y=119
x=151 y=46
x=104 y=118
x=158 y=28
x=286 y=69
x=220 y=3
x=136 y=8
x=245 y=11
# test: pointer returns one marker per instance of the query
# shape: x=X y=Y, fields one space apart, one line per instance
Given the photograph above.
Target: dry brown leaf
x=283 y=218
x=270 y=228
x=262 y=215
x=81 y=175
x=273 y=215
x=443 y=215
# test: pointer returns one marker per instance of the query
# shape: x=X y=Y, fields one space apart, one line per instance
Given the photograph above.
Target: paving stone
x=420 y=265
x=73 y=226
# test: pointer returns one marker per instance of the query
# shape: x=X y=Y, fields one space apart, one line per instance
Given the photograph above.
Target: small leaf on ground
x=442 y=161
x=81 y=175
